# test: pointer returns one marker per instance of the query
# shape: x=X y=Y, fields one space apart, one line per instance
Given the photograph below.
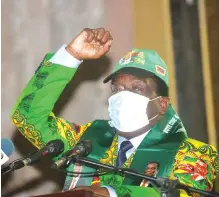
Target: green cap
x=143 y=60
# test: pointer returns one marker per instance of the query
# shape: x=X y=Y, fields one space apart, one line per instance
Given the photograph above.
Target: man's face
x=151 y=169
x=142 y=86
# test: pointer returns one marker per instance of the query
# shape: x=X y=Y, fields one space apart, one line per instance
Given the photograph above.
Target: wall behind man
x=30 y=29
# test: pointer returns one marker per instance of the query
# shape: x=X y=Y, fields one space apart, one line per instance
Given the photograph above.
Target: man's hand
x=90 y=44
x=101 y=191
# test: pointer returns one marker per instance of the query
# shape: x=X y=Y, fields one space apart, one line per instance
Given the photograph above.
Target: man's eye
x=117 y=89
x=114 y=90
x=138 y=90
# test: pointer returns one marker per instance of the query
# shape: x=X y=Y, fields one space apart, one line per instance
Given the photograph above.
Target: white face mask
x=127 y=111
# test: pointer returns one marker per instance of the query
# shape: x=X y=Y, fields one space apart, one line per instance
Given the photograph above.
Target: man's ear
x=164 y=103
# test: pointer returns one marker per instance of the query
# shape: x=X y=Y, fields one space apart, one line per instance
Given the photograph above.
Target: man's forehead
x=130 y=76
x=124 y=75
x=136 y=72
x=152 y=164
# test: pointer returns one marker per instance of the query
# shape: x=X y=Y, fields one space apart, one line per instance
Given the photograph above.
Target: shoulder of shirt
x=192 y=150
x=197 y=144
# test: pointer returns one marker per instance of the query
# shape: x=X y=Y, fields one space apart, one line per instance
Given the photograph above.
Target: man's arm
x=32 y=114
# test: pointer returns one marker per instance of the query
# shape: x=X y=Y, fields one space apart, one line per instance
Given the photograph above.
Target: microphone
x=7 y=148
x=82 y=149
x=52 y=148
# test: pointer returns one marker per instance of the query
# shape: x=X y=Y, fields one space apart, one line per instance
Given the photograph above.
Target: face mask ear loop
x=158 y=113
x=155 y=98
x=153 y=117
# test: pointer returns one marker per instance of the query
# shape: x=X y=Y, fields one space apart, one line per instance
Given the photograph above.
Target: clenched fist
x=90 y=44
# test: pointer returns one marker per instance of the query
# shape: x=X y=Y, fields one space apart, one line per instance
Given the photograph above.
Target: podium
x=81 y=193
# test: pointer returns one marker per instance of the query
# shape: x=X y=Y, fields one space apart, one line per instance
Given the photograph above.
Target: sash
x=160 y=145
x=101 y=136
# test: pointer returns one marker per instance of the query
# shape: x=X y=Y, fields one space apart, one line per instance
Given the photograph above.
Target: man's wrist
x=72 y=53
x=62 y=57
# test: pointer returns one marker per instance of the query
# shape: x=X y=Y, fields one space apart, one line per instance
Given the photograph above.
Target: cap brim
x=108 y=78
x=132 y=71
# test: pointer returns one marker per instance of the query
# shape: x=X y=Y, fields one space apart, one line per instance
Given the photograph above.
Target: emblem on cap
x=132 y=57
x=160 y=70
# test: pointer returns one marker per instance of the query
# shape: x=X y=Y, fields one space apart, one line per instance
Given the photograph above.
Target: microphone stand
x=168 y=187
x=17 y=164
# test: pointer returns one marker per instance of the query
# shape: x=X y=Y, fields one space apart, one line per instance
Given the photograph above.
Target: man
x=150 y=170
x=143 y=126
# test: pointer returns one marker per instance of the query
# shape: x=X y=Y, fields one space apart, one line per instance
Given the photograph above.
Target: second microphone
x=82 y=149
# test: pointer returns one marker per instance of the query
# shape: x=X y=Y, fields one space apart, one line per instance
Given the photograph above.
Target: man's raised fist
x=90 y=44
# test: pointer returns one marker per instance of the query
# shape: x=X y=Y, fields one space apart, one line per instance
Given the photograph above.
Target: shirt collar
x=136 y=141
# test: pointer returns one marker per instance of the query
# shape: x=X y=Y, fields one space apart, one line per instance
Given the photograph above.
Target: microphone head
x=7 y=146
x=55 y=147
x=82 y=149
x=87 y=147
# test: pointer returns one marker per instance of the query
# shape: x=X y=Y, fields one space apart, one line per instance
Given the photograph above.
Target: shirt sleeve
x=62 y=57
x=33 y=112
